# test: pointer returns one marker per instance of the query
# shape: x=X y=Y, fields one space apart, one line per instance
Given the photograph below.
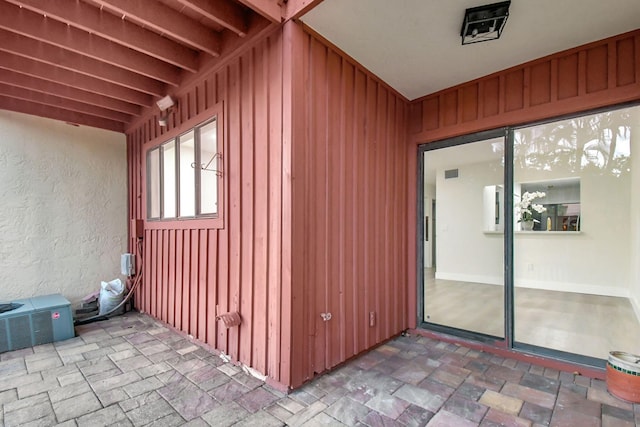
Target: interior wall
x=63 y=216
x=572 y=262
x=634 y=226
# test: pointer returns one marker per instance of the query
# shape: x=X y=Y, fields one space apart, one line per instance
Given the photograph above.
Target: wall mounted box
x=40 y=320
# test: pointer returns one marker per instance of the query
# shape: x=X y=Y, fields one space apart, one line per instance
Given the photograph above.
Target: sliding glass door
x=463 y=274
x=534 y=236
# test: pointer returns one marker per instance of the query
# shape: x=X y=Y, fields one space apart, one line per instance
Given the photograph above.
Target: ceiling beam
x=44 y=86
x=115 y=29
x=53 y=55
x=55 y=101
x=270 y=9
x=26 y=107
x=12 y=62
x=30 y=24
x=297 y=8
x=166 y=21
x=226 y=13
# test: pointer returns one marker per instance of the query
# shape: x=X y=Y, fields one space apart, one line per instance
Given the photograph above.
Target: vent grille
x=42 y=327
x=20 y=332
x=4 y=339
x=451 y=173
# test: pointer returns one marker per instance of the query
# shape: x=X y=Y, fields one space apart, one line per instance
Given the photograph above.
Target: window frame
x=198 y=221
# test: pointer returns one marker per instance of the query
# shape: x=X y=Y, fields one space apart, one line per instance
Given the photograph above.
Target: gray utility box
x=40 y=320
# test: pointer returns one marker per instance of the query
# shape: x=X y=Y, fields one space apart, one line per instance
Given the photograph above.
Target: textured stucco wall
x=63 y=207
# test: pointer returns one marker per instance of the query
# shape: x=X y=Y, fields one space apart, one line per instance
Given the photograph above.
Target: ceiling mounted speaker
x=484 y=23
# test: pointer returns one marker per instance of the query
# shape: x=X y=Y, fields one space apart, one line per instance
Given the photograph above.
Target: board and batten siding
x=192 y=274
x=596 y=75
x=315 y=208
x=350 y=200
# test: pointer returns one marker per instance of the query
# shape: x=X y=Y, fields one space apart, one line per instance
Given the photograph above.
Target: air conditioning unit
x=39 y=320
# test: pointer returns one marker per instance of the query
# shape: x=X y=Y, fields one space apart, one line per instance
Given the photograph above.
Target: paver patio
x=132 y=370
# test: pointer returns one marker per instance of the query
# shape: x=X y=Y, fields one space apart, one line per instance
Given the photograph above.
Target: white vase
x=526 y=225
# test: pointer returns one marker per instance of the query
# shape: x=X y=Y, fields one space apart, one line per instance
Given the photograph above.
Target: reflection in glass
x=463 y=265
x=169 y=179
x=209 y=173
x=576 y=290
x=153 y=174
x=187 y=175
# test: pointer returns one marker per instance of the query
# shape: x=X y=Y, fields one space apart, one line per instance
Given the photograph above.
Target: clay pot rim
x=627 y=361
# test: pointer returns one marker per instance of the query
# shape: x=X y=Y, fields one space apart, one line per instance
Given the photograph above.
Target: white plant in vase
x=525 y=208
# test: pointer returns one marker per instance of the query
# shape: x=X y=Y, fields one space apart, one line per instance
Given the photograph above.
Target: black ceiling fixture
x=484 y=23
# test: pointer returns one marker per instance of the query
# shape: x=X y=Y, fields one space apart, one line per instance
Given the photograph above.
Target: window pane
x=153 y=187
x=169 y=179
x=576 y=273
x=463 y=239
x=187 y=175
x=210 y=168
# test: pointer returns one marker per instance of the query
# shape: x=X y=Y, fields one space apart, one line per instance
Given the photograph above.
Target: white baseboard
x=582 y=288
x=473 y=278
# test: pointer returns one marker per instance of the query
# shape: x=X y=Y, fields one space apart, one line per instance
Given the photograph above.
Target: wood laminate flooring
x=590 y=325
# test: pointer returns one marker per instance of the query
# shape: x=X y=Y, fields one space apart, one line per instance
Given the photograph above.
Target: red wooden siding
x=349 y=254
x=191 y=273
x=592 y=76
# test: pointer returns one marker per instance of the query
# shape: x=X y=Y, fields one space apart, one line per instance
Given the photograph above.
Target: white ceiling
x=415 y=45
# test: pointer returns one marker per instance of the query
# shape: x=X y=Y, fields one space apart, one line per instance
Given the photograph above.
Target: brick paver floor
x=132 y=370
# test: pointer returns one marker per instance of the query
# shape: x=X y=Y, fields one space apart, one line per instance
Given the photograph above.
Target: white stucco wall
x=595 y=261
x=63 y=207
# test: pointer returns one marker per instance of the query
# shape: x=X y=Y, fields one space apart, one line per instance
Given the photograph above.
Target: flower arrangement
x=526 y=206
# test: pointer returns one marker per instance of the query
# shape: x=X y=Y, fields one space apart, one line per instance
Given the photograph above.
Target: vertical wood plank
x=318 y=220
x=235 y=230
x=171 y=282
x=202 y=309
x=247 y=200
x=347 y=213
x=275 y=171
x=213 y=267
x=331 y=211
x=360 y=236
x=179 y=279
x=194 y=283
x=186 y=281
x=164 y=263
x=260 y=209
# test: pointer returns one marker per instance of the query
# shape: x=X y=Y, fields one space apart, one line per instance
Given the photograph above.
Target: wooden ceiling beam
x=91 y=19
x=166 y=21
x=53 y=55
x=30 y=24
x=226 y=13
x=270 y=9
x=56 y=101
x=72 y=117
x=12 y=62
x=39 y=85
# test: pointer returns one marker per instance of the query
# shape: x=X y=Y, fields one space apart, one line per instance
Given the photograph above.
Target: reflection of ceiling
x=415 y=45
x=460 y=155
x=552 y=183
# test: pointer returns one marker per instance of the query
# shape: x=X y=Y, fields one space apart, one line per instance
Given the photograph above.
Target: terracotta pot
x=623 y=376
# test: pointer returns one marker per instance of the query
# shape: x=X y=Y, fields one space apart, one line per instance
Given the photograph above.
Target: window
x=184 y=175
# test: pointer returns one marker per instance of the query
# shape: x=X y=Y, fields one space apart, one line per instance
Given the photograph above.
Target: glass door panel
x=576 y=275
x=463 y=205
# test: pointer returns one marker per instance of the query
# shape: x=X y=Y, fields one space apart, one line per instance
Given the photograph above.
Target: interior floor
x=590 y=325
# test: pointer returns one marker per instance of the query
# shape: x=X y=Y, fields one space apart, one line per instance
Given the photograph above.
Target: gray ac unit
x=39 y=320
